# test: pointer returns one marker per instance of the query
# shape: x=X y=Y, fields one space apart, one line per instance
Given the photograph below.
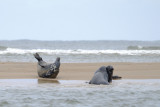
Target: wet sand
x=81 y=71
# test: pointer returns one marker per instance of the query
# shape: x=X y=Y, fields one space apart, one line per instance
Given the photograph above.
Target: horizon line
x=73 y=40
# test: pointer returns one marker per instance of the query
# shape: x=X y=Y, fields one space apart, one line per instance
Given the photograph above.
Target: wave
x=3 y=48
x=143 y=47
x=79 y=51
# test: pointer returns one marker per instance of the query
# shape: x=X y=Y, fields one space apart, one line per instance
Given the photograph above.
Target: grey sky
x=80 y=19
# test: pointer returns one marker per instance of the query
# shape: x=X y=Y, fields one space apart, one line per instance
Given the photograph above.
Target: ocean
x=80 y=51
x=77 y=93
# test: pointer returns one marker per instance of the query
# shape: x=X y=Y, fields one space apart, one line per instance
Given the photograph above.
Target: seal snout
x=110 y=68
x=58 y=59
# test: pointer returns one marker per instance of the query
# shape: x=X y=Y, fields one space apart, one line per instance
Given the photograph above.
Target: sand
x=81 y=71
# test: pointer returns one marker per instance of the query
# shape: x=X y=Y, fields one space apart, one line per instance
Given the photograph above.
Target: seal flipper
x=116 y=77
x=36 y=55
x=48 y=74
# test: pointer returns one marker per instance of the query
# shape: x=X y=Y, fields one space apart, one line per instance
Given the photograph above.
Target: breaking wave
x=79 y=51
x=143 y=48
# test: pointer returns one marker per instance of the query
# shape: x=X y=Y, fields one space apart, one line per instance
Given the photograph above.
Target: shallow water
x=77 y=93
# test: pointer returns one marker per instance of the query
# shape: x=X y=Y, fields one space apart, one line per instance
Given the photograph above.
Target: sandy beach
x=81 y=71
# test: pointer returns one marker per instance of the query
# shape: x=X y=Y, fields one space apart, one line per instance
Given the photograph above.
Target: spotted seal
x=47 y=70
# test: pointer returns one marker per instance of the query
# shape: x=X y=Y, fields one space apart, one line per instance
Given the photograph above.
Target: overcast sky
x=80 y=19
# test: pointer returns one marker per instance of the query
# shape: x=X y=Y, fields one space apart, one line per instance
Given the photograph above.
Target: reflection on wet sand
x=44 y=80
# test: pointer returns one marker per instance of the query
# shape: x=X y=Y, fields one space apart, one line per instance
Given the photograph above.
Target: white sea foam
x=79 y=51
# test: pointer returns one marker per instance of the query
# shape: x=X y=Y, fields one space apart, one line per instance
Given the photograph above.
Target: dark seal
x=102 y=76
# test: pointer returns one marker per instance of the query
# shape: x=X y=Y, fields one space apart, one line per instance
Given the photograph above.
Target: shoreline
x=81 y=71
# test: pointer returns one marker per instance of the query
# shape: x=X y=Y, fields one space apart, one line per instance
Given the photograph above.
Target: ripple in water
x=61 y=93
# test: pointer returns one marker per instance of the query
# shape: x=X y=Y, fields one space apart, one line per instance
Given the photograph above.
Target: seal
x=47 y=70
x=102 y=76
x=116 y=77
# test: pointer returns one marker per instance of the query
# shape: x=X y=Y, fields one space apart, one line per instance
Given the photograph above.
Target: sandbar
x=81 y=71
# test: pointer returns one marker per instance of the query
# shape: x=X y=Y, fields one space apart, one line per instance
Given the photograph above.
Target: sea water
x=78 y=93
x=74 y=93
x=80 y=51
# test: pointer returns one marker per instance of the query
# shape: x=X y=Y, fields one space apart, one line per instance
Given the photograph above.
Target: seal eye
x=110 y=68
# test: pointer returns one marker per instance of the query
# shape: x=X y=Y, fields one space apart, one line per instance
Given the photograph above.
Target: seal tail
x=36 y=55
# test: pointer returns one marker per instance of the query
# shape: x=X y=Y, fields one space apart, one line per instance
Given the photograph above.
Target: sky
x=80 y=19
